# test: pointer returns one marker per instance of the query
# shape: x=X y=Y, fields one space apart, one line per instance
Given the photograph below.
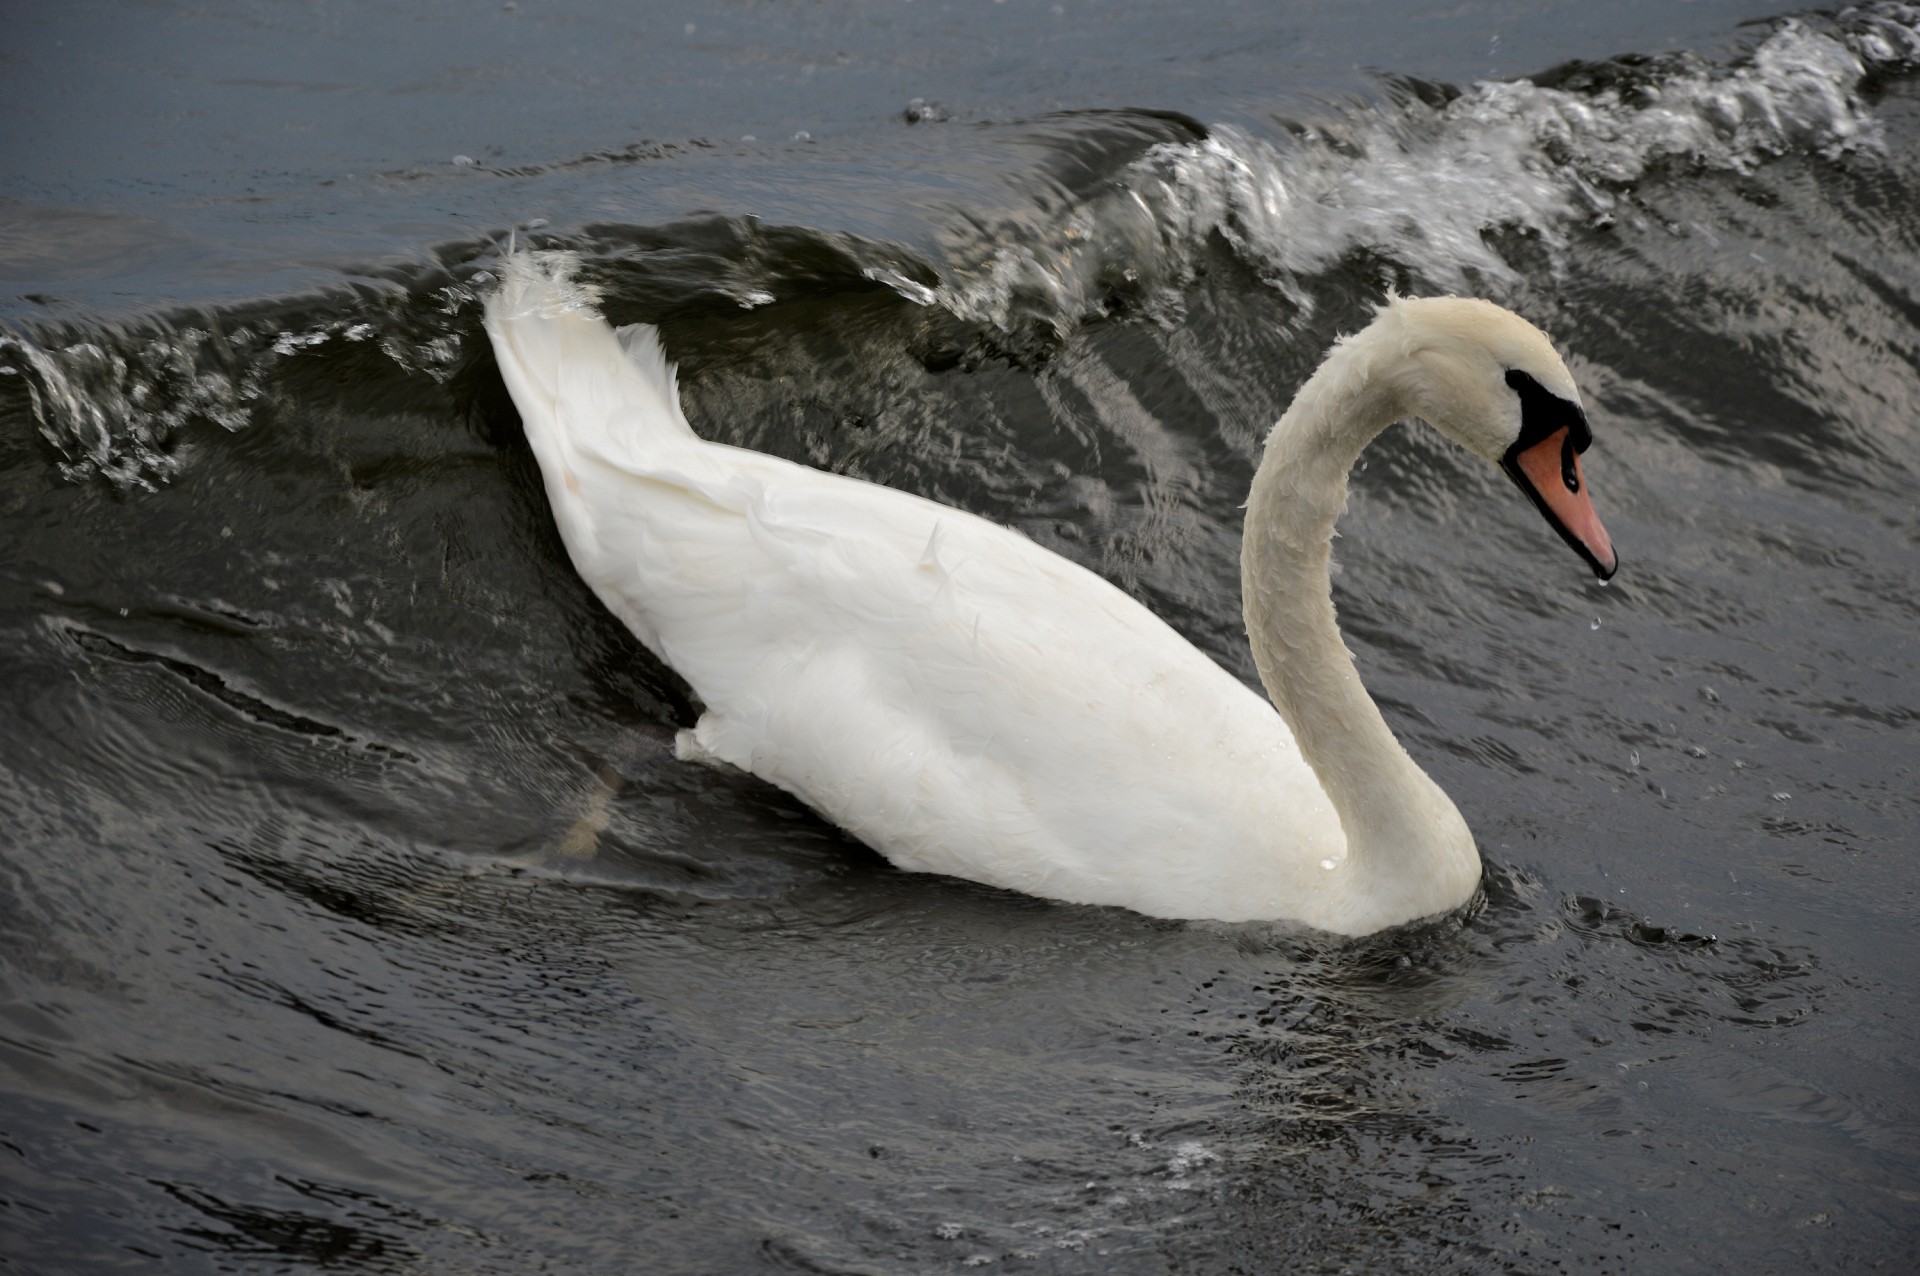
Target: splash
x=115 y=404
x=113 y=410
x=1429 y=187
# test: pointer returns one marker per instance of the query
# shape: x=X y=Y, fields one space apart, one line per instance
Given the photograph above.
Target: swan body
x=969 y=703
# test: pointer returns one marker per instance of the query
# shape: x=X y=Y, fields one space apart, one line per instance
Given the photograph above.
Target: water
x=357 y=915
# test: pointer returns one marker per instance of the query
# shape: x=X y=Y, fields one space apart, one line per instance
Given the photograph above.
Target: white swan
x=968 y=703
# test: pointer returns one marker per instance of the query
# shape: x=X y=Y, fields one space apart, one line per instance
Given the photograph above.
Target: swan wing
x=947 y=690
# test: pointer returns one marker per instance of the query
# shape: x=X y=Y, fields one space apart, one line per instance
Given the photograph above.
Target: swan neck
x=1403 y=835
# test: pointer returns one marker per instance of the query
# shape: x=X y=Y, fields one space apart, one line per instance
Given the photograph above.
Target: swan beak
x=1549 y=473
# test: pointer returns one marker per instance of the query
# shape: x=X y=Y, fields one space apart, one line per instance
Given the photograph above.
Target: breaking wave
x=1424 y=181
x=1430 y=181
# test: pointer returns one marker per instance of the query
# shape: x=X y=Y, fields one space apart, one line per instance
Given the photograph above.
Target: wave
x=1429 y=184
x=113 y=402
x=1433 y=185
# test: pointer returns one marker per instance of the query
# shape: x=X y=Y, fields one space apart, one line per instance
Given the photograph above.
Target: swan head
x=1494 y=384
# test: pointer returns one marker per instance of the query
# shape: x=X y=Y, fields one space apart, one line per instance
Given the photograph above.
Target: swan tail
x=582 y=388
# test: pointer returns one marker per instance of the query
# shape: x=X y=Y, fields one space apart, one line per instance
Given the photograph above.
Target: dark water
x=354 y=914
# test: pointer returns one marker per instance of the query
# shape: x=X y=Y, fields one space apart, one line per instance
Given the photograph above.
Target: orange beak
x=1549 y=473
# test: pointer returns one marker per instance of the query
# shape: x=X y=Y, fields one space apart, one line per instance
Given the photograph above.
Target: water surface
x=358 y=917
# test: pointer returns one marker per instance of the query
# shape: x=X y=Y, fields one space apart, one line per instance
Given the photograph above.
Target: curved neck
x=1409 y=853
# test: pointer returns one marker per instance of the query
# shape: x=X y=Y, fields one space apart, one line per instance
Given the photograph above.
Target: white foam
x=1885 y=34
x=113 y=409
x=1188 y=1157
x=114 y=406
x=1424 y=187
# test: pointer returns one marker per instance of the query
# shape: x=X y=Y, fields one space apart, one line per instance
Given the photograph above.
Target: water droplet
x=1695 y=751
x=1710 y=695
x=1633 y=759
x=1783 y=797
x=1327 y=864
x=803 y=136
x=463 y=161
x=1190 y=1156
x=1595 y=624
x=923 y=111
